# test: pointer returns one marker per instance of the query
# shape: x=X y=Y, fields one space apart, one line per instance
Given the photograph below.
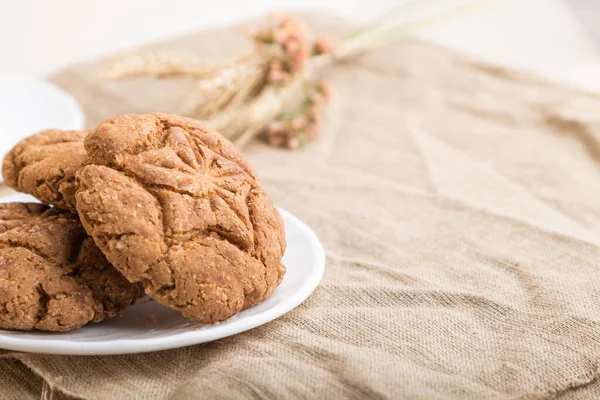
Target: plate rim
x=78 y=121
x=70 y=103
x=183 y=339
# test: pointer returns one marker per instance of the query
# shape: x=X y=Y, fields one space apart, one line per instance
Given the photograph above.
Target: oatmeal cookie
x=52 y=275
x=175 y=206
x=44 y=166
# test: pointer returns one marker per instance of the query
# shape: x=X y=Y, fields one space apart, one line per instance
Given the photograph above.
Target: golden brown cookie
x=44 y=166
x=175 y=206
x=52 y=275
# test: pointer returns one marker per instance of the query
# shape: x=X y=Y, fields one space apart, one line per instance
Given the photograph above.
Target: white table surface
x=41 y=36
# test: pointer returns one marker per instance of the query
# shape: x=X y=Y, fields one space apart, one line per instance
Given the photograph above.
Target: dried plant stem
x=241 y=127
x=393 y=28
x=164 y=66
x=216 y=97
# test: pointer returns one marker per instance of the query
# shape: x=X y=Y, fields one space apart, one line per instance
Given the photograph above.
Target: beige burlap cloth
x=459 y=204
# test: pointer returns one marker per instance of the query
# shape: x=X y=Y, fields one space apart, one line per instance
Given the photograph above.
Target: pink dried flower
x=312 y=132
x=276 y=76
x=275 y=128
x=314 y=114
x=323 y=45
x=293 y=143
x=276 y=141
x=299 y=122
x=286 y=77
x=292 y=25
x=292 y=45
x=296 y=63
x=290 y=34
x=324 y=90
x=251 y=31
x=275 y=65
x=280 y=35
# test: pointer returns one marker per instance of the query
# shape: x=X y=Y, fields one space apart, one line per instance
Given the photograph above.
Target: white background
x=41 y=36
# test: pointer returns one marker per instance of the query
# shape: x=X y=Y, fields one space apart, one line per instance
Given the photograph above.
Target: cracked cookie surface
x=44 y=166
x=175 y=206
x=52 y=275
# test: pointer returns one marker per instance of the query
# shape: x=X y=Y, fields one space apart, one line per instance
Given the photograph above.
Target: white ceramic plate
x=30 y=105
x=149 y=326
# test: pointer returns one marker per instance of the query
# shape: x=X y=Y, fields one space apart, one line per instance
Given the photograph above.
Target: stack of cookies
x=153 y=203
